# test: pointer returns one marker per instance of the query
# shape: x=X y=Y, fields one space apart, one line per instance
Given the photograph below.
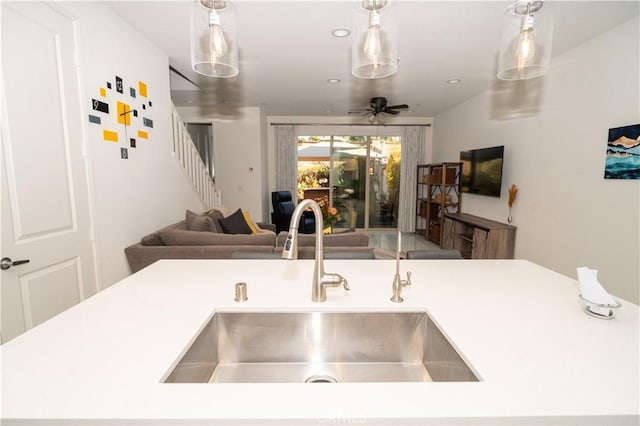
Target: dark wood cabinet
x=478 y=238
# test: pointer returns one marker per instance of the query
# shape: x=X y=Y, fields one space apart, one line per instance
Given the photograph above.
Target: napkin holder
x=597 y=302
x=600 y=310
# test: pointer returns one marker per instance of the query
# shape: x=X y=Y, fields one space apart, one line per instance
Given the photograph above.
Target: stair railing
x=186 y=153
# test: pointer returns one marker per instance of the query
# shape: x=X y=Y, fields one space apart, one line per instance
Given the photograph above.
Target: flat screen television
x=482 y=171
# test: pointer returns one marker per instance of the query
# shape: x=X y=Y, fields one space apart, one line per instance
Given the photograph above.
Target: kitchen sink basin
x=320 y=347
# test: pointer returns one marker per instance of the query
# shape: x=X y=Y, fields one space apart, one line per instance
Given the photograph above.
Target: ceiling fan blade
x=363 y=111
x=390 y=111
x=403 y=106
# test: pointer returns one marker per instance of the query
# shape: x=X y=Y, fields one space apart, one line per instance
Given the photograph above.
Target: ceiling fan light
x=527 y=33
x=214 y=48
x=374 y=48
x=377 y=119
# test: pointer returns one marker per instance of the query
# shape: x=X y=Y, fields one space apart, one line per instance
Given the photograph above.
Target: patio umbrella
x=320 y=151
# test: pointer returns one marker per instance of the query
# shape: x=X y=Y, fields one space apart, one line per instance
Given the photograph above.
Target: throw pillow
x=197 y=222
x=152 y=240
x=216 y=215
x=247 y=218
x=235 y=224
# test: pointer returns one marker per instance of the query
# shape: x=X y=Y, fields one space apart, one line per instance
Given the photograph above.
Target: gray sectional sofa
x=180 y=241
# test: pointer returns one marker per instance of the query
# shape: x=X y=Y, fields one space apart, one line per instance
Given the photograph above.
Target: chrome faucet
x=397 y=287
x=398 y=282
x=321 y=280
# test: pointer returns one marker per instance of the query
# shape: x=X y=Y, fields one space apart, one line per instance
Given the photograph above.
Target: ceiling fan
x=378 y=105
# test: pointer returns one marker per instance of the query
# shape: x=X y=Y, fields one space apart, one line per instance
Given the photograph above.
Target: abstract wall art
x=119 y=112
x=623 y=153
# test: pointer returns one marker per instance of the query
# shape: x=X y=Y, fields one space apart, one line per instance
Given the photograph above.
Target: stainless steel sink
x=320 y=347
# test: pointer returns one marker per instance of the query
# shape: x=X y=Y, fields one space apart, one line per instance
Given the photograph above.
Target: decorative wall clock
x=123 y=114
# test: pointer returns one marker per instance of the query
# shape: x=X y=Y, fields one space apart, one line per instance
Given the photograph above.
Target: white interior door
x=45 y=207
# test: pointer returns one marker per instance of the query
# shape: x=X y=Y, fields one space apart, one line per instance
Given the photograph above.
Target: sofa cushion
x=140 y=256
x=198 y=222
x=199 y=238
x=265 y=227
x=334 y=252
x=344 y=239
x=154 y=239
x=176 y=226
x=235 y=224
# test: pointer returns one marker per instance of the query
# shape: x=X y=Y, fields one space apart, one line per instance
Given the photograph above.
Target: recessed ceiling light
x=340 y=32
x=189 y=101
x=328 y=111
x=454 y=81
x=333 y=80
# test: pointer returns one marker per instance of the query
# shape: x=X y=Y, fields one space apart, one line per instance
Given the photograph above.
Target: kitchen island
x=539 y=358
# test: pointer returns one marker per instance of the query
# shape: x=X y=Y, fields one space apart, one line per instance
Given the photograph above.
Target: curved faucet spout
x=291 y=245
x=320 y=280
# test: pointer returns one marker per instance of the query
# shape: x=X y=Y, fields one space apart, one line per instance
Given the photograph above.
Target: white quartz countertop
x=521 y=327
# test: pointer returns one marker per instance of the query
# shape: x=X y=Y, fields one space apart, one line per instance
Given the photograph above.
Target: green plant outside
x=316 y=176
x=392 y=172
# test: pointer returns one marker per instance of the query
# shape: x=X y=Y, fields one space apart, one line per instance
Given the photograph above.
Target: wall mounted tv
x=482 y=171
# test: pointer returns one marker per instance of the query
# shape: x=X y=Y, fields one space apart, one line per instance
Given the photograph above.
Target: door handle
x=6 y=262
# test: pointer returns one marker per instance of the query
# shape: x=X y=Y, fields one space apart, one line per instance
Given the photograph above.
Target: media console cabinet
x=478 y=238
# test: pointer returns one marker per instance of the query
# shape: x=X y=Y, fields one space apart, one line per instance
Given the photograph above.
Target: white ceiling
x=287 y=52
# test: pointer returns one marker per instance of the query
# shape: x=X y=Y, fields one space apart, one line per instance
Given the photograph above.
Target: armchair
x=283 y=207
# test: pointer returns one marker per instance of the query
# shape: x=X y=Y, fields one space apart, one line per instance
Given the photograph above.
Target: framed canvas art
x=623 y=153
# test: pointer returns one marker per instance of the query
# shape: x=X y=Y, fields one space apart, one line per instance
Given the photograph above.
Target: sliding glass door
x=348 y=179
x=358 y=175
x=384 y=182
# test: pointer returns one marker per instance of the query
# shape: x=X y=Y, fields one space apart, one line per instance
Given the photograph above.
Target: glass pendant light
x=525 y=51
x=373 y=43
x=374 y=51
x=214 y=50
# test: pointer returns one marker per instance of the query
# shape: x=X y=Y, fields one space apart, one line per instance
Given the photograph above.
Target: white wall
x=554 y=130
x=136 y=196
x=239 y=156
